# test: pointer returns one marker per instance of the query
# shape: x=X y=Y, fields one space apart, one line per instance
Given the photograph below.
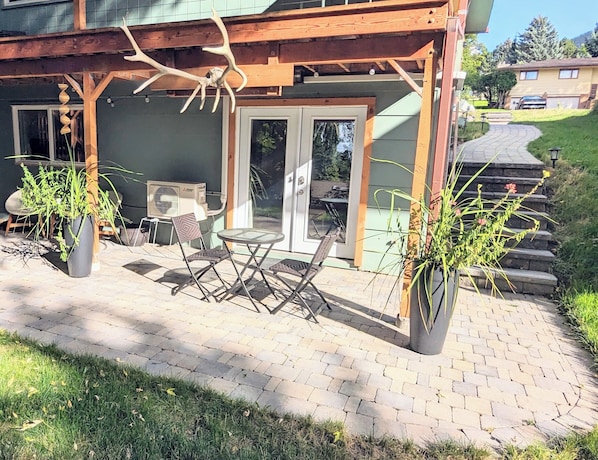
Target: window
x=37 y=135
x=568 y=73
x=528 y=75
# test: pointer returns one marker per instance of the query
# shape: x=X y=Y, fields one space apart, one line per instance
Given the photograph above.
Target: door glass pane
x=33 y=134
x=75 y=137
x=267 y=172
x=332 y=153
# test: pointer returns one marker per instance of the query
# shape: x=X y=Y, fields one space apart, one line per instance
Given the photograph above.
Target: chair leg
x=320 y=294
x=296 y=293
x=194 y=278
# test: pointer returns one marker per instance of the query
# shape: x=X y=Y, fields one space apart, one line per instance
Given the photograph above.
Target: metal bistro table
x=254 y=239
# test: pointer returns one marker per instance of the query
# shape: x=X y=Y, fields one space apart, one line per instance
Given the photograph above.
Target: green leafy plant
x=57 y=194
x=452 y=230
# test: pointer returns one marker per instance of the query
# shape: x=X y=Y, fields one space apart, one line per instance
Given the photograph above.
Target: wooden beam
x=400 y=48
x=420 y=170
x=410 y=81
x=257 y=76
x=383 y=17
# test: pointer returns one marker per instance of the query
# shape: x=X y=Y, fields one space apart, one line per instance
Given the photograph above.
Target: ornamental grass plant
x=454 y=230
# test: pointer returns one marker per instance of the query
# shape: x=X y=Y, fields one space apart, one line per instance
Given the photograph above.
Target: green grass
x=573 y=190
x=58 y=406
x=55 y=405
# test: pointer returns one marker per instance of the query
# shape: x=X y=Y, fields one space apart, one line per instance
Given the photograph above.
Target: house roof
x=554 y=63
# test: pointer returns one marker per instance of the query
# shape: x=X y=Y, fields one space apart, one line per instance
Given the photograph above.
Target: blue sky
x=511 y=17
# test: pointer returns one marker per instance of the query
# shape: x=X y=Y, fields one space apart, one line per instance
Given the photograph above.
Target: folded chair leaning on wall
x=306 y=272
x=186 y=228
x=18 y=216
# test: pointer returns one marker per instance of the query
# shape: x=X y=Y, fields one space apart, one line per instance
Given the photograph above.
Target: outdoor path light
x=554 y=155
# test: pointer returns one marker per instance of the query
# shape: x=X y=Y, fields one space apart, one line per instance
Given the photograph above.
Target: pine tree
x=539 y=42
x=591 y=44
x=503 y=53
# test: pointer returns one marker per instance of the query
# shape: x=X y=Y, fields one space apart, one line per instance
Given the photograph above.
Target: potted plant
x=59 y=196
x=450 y=232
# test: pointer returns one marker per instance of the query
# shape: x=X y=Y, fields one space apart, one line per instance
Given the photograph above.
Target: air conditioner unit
x=169 y=199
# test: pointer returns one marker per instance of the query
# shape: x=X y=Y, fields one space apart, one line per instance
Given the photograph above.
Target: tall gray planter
x=431 y=308
x=80 y=255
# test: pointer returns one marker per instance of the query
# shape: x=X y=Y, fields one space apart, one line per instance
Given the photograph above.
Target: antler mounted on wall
x=216 y=77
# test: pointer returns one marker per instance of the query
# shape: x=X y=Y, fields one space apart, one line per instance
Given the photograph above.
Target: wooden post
x=420 y=170
x=79 y=15
x=90 y=94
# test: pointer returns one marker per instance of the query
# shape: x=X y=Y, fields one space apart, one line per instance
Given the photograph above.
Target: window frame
x=18 y=3
x=49 y=108
x=574 y=74
x=523 y=75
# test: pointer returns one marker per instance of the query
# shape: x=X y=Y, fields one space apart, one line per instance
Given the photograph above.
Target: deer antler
x=216 y=77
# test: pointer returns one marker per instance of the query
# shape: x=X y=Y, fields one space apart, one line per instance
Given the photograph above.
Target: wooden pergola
x=403 y=37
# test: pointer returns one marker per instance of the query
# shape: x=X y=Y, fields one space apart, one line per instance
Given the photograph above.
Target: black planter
x=431 y=307
x=80 y=253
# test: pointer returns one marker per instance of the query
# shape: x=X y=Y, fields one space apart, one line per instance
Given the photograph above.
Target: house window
x=13 y=3
x=37 y=135
x=528 y=75
x=568 y=73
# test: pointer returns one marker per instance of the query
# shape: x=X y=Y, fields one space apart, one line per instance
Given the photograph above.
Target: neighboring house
x=329 y=88
x=565 y=83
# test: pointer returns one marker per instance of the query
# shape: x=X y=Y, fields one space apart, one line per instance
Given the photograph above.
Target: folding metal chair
x=187 y=230
x=305 y=271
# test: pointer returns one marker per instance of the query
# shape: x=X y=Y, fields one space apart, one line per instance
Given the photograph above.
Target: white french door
x=299 y=172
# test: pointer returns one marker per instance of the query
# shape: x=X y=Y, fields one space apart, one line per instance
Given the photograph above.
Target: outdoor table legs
x=255 y=240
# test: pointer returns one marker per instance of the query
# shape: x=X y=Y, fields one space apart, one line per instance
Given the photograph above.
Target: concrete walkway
x=502 y=144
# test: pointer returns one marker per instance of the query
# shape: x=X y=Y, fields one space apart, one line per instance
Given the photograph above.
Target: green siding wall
x=58 y=16
x=157 y=141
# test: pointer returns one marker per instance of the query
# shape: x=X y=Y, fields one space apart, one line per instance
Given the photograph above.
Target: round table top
x=250 y=236
x=335 y=200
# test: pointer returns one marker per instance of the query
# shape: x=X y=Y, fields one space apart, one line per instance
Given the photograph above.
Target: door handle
x=300 y=192
x=301 y=180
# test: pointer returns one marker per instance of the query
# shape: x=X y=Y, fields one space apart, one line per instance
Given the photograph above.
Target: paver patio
x=511 y=370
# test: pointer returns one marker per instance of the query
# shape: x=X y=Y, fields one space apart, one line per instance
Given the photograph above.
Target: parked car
x=531 y=102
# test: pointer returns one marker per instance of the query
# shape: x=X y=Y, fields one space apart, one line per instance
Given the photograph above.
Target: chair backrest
x=14 y=205
x=324 y=247
x=187 y=228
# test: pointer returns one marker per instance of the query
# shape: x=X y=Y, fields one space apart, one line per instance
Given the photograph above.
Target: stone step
x=510 y=170
x=496 y=118
x=529 y=259
x=541 y=239
x=536 y=202
x=497 y=183
x=520 y=281
x=526 y=220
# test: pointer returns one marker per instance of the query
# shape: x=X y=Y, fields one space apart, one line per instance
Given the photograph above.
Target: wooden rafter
x=406 y=77
x=384 y=17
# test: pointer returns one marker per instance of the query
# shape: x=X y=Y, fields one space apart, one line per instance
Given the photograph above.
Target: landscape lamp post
x=554 y=155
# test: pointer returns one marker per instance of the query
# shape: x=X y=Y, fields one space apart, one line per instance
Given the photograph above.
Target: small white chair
x=18 y=215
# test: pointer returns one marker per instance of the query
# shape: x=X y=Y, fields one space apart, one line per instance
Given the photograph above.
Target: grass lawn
x=58 y=406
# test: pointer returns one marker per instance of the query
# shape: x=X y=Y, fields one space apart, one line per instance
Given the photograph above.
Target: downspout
x=454 y=33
